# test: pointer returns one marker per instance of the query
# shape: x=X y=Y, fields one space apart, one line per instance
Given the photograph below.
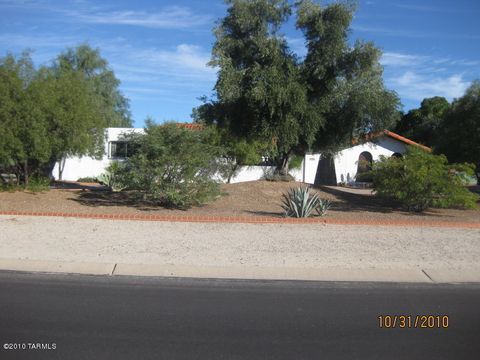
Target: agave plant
x=299 y=203
x=109 y=179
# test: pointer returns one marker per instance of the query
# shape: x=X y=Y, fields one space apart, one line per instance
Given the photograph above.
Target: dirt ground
x=256 y=198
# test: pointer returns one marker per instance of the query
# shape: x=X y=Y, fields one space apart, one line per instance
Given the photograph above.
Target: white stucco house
x=315 y=169
x=116 y=149
x=344 y=166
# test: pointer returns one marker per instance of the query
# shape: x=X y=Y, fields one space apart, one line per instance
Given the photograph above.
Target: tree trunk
x=25 y=172
x=61 y=166
x=230 y=175
x=282 y=164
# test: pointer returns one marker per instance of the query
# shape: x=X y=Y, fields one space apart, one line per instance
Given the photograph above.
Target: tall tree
x=115 y=106
x=45 y=115
x=264 y=91
x=24 y=142
x=72 y=111
x=459 y=132
x=421 y=124
x=345 y=84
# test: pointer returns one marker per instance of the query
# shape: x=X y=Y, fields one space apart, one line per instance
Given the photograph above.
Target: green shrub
x=295 y=162
x=112 y=177
x=298 y=203
x=38 y=184
x=171 y=166
x=420 y=180
x=88 y=179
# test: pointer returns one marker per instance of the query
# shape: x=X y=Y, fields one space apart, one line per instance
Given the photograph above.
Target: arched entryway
x=364 y=165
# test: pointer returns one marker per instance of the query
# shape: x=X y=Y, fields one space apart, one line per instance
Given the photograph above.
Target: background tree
x=47 y=114
x=421 y=124
x=265 y=92
x=73 y=116
x=115 y=107
x=459 y=131
x=24 y=144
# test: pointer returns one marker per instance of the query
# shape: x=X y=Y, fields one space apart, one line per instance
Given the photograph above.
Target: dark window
x=119 y=149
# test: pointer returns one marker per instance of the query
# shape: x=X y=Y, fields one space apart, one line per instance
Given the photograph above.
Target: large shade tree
x=264 y=91
x=88 y=61
x=459 y=132
x=421 y=124
x=49 y=113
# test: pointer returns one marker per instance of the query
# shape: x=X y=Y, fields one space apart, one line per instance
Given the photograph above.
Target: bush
x=171 y=166
x=420 y=180
x=112 y=177
x=87 y=179
x=298 y=203
x=38 y=184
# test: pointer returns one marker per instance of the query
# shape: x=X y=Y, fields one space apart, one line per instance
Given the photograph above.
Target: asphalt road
x=88 y=317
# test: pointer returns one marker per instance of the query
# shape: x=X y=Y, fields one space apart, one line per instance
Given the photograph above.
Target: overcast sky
x=159 y=49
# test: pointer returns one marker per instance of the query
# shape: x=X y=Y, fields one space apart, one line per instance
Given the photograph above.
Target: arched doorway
x=364 y=165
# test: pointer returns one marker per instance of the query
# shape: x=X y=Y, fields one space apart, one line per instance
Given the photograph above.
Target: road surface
x=90 y=317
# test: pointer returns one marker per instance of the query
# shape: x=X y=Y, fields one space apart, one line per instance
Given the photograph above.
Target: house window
x=119 y=149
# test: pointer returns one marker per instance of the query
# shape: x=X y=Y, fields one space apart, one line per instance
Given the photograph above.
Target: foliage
x=24 y=142
x=171 y=166
x=421 y=125
x=459 y=132
x=101 y=78
x=420 y=180
x=236 y=152
x=38 y=184
x=296 y=162
x=112 y=178
x=298 y=203
x=49 y=113
x=87 y=179
x=265 y=92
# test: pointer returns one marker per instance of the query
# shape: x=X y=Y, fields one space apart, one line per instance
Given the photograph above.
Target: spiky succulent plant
x=298 y=202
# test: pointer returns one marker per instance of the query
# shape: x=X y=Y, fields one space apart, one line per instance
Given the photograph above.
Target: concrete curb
x=57 y=267
x=246 y=273
x=250 y=220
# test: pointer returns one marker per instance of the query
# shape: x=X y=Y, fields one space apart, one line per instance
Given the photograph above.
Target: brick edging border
x=249 y=220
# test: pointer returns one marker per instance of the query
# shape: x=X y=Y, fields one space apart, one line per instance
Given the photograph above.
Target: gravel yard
x=257 y=198
x=215 y=244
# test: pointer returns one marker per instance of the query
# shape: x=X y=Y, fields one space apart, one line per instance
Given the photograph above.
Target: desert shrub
x=112 y=177
x=298 y=202
x=38 y=184
x=87 y=179
x=171 y=166
x=420 y=180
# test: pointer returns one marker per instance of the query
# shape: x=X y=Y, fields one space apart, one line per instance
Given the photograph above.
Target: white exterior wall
x=346 y=161
x=79 y=167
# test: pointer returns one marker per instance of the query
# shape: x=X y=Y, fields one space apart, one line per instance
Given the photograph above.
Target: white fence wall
x=82 y=167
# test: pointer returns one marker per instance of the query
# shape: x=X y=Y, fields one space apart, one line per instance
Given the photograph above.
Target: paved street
x=88 y=317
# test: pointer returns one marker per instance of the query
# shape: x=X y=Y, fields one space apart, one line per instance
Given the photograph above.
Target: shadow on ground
x=100 y=197
x=351 y=202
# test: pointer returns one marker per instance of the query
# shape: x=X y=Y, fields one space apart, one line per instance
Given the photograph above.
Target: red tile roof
x=393 y=135
x=190 y=126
